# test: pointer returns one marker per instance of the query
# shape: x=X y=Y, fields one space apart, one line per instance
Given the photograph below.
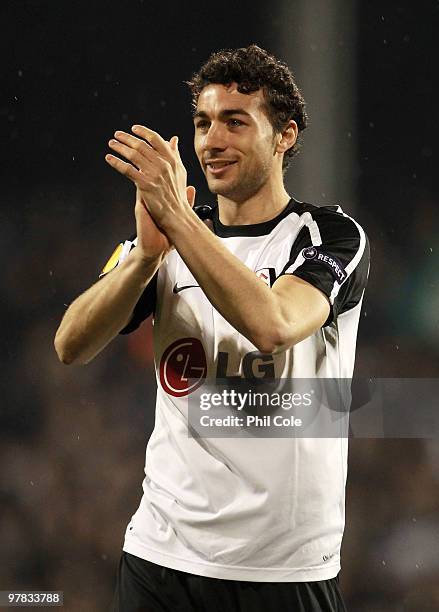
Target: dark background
x=73 y=438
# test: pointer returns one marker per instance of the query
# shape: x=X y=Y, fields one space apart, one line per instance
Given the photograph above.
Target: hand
x=151 y=241
x=158 y=173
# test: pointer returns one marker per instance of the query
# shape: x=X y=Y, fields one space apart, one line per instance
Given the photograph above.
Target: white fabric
x=266 y=510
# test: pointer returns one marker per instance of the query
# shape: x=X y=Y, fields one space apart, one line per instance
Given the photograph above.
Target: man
x=247 y=523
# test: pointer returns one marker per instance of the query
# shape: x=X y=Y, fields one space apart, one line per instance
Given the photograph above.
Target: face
x=234 y=141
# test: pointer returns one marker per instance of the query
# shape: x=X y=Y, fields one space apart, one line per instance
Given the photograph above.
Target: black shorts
x=146 y=587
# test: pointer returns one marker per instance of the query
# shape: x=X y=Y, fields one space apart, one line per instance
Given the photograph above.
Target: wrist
x=182 y=225
x=144 y=262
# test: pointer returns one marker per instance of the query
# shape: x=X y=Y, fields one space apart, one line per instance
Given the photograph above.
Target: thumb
x=174 y=143
x=190 y=194
x=138 y=195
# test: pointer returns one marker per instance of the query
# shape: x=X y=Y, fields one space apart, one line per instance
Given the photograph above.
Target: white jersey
x=257 y=509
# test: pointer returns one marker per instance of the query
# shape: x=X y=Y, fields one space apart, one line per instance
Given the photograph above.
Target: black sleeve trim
x=324 y=254
x=144 y=307
x=146 y=304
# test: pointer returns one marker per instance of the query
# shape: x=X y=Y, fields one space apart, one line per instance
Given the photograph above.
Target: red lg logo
x=183 y=367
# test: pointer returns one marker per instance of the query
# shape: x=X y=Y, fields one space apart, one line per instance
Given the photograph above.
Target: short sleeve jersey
x=256 y=509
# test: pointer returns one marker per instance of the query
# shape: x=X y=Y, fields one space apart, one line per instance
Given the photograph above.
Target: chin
x=223 y=186
x=223 y=190
x=237 y=192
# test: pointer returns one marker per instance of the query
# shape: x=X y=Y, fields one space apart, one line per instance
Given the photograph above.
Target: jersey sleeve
x=331 y=252
x=147 y=301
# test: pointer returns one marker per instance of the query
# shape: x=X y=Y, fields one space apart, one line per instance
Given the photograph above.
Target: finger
x=133 y=155
x=124 y=168
x=174 y=145
x=145 y=148
x=156 y=141
x=190 y=194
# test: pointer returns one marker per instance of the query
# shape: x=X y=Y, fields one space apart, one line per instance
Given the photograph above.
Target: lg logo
x=183 y=367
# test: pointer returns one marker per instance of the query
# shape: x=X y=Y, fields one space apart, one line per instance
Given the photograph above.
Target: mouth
x=219 y=168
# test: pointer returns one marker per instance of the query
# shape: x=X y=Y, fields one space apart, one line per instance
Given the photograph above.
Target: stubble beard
x=245 y=185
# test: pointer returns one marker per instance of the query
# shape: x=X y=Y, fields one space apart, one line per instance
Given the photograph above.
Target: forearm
x=99 y=314
x=232 y=288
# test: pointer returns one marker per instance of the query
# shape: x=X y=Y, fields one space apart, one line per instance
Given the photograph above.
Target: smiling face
x=234 y=141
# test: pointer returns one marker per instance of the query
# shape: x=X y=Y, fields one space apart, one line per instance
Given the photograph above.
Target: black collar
x=257 y=229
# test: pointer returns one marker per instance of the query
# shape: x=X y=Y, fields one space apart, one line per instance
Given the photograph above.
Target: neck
x=264 y=205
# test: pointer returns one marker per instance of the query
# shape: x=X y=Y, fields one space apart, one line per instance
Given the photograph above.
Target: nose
x=215 y=137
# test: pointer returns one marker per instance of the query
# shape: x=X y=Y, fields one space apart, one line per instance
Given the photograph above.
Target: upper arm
x=332 y=254
x=326 y=273
x=147 y=301
x=303 y=307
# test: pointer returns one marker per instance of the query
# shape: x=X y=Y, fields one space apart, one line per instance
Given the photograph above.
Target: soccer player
x=273 y=287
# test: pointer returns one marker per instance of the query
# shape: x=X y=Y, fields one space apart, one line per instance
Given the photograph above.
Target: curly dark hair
x=253 y=68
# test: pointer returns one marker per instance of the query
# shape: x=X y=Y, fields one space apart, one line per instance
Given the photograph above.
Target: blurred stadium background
x=73 y=439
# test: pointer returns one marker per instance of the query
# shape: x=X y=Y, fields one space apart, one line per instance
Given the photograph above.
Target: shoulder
x=330 y=221
x=326 y=234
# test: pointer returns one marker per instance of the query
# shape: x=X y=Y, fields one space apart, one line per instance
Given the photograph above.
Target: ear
x=288 y=137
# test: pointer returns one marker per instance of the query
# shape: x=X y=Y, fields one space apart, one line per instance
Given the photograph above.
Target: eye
x=235 y=122
x=201 y=125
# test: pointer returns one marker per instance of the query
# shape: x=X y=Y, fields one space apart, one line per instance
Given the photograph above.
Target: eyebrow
x=223 y=114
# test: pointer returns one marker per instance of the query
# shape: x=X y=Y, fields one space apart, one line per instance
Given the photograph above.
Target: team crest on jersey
x=268 y=275
x=183 y=367
x=318 y=255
